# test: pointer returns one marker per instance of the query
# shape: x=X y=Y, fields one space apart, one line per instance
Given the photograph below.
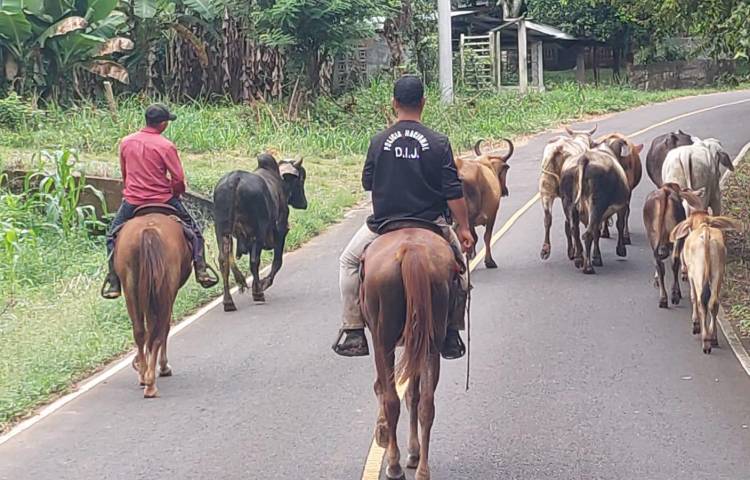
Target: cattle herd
x=594 y=179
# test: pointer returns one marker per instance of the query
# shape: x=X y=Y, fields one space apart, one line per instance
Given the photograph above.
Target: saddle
x=402 y=223
x=162 y=208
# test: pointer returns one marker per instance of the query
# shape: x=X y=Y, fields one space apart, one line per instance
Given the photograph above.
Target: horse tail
x=418 y=329
x=152 y=276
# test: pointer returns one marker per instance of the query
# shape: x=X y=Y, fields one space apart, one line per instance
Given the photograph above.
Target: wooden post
x=499 y=61
x=110 y=98
x=523 y=76
x=581 y=65
x=540 y=66
x=534 y=66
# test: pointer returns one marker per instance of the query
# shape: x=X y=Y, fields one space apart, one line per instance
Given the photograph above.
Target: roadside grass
x=54 y=329
x=736 y=292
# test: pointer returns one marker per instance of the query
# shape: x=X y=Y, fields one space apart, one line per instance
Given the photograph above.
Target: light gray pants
x=349 y=281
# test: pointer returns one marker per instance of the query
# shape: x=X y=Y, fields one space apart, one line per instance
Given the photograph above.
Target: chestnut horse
x=153 y=260
x=406 y=292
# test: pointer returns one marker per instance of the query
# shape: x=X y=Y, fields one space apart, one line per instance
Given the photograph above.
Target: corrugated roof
x=544 y=30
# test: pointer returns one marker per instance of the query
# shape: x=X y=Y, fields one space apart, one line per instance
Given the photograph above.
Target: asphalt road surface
x=573 y=376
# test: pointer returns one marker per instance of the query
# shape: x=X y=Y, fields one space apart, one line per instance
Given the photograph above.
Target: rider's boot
x=201 y=274
x=453 y=346
x=111 y=288
x=354 y=344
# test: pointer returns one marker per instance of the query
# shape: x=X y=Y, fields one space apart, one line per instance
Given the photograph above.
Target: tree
x=316 y=30
x=46 y=44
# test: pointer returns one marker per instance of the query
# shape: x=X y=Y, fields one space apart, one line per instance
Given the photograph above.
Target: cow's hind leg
x=257 y=287
x=489 y=262
x=676 y=292
x=412 y=402
x=660 y=270
x=226 y=259
x=546 y=245
x=605 y=228
x=621 y=221
x=278 y=257
x=626 y=234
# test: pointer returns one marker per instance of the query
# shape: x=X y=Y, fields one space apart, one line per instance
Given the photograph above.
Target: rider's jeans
x=349 y=281
x=127 y=211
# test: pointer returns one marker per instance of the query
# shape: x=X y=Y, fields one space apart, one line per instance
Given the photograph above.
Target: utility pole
x=445 y=51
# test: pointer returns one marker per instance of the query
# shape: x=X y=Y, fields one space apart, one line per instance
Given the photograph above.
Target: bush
x=14 y=112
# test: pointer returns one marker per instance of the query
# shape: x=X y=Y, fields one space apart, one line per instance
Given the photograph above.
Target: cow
x=557 y=151
x=254 y=209
x=631 y=163
x=705 y=256
x=662 y=212
x=484 y=183
x=699 y=166
x=594 y=186
x=660 y=146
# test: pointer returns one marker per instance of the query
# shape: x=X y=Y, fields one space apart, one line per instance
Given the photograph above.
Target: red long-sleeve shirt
x=151 y=168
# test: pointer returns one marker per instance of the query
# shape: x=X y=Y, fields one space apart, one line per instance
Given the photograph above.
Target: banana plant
x=46 y=43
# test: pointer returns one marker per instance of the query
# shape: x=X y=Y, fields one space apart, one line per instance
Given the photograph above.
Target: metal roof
x=539 y=28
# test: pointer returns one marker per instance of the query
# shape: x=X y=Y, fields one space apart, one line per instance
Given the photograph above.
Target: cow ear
x=725 y=160
x=682 y=230
x=639 y=148
x=693 y=198
x=725 y=223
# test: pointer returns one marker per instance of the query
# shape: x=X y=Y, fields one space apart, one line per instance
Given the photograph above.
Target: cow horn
x=511 y=148
x=298 y=163
x=591 y=132
x=570 y=131
x=477 y=147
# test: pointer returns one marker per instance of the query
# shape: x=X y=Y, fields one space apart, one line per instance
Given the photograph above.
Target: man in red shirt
x=152 y=173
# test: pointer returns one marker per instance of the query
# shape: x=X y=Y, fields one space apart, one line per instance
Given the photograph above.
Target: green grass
x=736 y=292
x=53 y=327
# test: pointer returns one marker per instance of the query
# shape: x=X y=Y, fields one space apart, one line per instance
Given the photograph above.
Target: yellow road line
x=374 y=460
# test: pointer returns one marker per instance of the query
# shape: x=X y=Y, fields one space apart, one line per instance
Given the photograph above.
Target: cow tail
x=418 y=328
x=152 y=279
x=583 y=162
x=706 y=290
x=690 y=172
x=662 y=249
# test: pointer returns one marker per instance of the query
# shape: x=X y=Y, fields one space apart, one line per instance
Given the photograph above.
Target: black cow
x=593 y=187
x=658 y=152
x=254 y=209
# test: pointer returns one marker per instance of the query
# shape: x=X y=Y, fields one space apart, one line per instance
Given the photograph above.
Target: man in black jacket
x=411 y=173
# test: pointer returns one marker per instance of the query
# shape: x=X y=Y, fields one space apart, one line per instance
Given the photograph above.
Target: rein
x=468 y=319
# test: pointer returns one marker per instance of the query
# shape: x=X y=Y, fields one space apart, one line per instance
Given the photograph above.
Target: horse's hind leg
x=392 y=408
x=165 y=370
x=139 y=335
x=412 y=402
x=155 y=342
x=428 y=384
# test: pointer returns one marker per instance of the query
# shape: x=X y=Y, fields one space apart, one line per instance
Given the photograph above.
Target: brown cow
x=662 y=212
x=631 y=163
x=705 y=256
x=593 y=186
x=484 y=182
x=556 y=152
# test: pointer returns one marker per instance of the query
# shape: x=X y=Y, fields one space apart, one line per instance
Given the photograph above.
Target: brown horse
x=406 y=292
x=153 y=260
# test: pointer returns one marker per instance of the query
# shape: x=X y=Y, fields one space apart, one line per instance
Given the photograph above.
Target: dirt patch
x=736 y=291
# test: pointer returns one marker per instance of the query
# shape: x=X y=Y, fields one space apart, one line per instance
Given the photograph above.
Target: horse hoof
x=597 y=261
x=150 y=392
x=412 y=461
x=230 y=307
x=395 y=474
x=167 y=372
x=381 y=436
x=490 y=264
x=663 y=303
x=622 y=251
x=589 y=270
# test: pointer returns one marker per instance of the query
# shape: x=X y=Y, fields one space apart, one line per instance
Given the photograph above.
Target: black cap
x=409 y=91
x=158 y=113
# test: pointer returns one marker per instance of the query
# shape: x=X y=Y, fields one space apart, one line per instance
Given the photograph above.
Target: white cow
x=698 y=167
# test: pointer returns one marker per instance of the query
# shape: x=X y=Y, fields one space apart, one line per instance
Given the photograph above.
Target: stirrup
x=461 y=349
x=112 y=295
x=336 y=347
x=210 y=282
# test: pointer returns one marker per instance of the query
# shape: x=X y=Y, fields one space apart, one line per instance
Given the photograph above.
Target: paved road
x=574 y=377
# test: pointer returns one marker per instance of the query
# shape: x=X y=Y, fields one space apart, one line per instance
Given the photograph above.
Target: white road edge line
x=110 y=371
x=726 y=328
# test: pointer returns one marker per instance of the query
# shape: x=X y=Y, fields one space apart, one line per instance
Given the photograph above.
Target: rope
x=468 y=320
